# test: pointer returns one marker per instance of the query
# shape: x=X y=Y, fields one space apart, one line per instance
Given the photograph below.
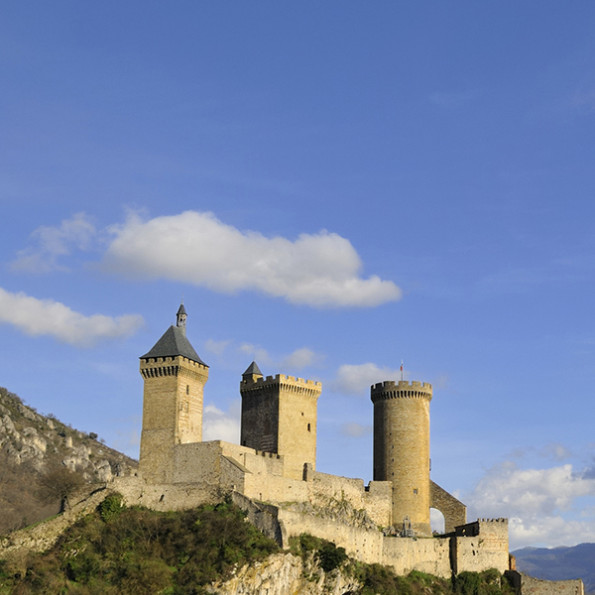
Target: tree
x=57 y=483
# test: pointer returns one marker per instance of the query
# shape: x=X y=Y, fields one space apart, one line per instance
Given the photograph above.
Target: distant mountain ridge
x=40 y=457
x=560 y=563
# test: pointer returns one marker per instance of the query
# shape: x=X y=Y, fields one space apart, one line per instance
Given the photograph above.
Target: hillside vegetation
x=133 y=550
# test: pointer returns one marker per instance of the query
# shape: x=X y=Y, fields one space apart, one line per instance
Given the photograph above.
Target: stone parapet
x=402 y=389
x=281 y=381
x=153 y=367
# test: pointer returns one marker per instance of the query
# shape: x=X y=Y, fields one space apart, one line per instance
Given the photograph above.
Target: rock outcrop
x=35 y=449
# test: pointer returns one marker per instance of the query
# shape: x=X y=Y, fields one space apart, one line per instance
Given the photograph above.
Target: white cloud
x=47 y=317
x=356 y=379
x=53 y=242
x=356 y=430
x=257 y=353
x=220 y=425
x=300 y=358
x=320 y=270
x=542 y=504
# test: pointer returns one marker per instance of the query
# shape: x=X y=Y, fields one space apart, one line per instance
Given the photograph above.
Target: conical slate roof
x=253 y=370
x=172 y=343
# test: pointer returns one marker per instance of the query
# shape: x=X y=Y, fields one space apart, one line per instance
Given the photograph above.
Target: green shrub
x=467 y=583
x=111 y=507
x=330 y=556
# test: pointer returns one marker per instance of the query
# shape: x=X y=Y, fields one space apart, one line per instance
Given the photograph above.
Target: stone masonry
x=402 y=449
x=279 y=416
x=272 y=475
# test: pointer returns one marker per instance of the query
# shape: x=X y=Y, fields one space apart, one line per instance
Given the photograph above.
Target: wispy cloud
x=48 y=317
x=356 y=379
x=217 y=347
x=300 y=358
x=49 y=244
x=256 y=353
x=319 y=270
x=542 y=504
x=356 y=430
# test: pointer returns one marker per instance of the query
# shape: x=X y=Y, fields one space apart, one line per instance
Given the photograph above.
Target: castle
x=272 y=473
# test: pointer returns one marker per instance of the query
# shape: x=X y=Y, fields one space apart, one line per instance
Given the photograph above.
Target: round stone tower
x=402 y=450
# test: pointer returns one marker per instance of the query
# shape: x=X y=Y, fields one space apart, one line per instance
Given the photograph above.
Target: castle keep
x=174 y=378
x=272 y=472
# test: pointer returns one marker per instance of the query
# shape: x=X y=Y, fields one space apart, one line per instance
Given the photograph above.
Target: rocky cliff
x=41 y=459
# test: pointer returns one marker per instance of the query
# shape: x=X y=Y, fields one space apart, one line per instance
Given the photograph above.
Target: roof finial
x=181 y=318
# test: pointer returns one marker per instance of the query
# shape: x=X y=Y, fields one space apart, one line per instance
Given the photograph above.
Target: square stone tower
x=174 y=379
x=279 y=415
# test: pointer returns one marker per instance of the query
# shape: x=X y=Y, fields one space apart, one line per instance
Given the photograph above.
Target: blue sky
x=331 y=188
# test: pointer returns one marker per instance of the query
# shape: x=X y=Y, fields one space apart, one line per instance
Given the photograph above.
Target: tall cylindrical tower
x=402 y=449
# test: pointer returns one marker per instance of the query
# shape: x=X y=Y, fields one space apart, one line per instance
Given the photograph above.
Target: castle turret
x=174 y=379
x=402 y=449
x=279 y=415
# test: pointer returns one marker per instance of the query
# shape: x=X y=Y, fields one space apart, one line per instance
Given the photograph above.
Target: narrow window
x=308 y=427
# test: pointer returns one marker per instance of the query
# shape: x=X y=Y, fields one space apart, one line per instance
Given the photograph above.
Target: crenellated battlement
x=156 y=361
x=389 y=389
x=154 y=367
x=280 y=380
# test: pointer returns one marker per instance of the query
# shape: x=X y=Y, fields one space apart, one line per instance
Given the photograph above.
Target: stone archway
x=454 y=511
x=437 y=521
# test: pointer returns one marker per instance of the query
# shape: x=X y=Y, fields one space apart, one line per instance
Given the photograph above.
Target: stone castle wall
x=481 y=545
x=528 y=585
x=338 y=509
x=218 y=467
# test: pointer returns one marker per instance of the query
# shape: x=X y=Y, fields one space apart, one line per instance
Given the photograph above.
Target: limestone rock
x=283 y=574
